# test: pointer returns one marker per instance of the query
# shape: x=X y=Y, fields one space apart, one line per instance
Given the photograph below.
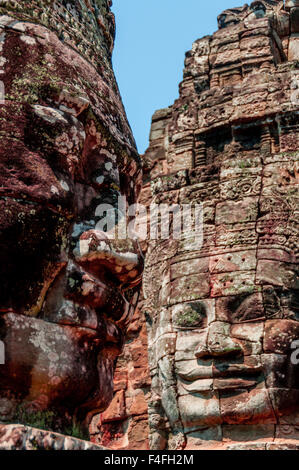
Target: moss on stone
x=190 y=317
x=48 y=421
x=35 y=82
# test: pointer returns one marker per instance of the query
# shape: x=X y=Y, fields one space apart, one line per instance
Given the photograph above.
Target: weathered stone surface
x=124 y=425
x=230 y=143
x=68 y=291
x=17 y=437
x=221 y=304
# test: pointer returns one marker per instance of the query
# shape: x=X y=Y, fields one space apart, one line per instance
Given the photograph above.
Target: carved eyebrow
x=253 y=320
x=246 y=308
x=257 y=5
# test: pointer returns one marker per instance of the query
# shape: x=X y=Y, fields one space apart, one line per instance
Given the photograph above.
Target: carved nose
x=122 y=258
x=219 y=343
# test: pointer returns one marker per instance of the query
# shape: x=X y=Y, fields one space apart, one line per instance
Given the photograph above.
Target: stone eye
x=191 y=315
x=245 y=308
x=259 y=9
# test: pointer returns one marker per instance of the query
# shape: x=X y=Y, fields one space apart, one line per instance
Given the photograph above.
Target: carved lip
x=204 y=385
x=233 y=383
x=236 y=372
x=102 y=332
x=101 y=318
x=87 y=303
x=101 y=298
x=233 y=375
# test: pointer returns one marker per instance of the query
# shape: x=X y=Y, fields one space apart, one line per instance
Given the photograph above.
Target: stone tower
x=222 y=305
x=68 y=291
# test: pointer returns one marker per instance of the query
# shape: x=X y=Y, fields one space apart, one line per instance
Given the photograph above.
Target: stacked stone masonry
x=124 y=425
x=217 y=318
x=68 y=292
x=222 y=315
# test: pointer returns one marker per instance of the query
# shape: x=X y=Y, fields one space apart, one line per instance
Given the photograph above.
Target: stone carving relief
x=68 y=292
x=222 y=319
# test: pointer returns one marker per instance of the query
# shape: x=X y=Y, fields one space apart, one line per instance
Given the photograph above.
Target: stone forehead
x=96 y=7
x=86 y=25
x=80 y=34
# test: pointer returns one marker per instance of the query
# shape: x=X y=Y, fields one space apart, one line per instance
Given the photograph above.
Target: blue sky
x=151 y=40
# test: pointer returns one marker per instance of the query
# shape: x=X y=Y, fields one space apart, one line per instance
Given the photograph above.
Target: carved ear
x=221 y=20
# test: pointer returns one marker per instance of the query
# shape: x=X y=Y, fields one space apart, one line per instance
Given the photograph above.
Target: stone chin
x=62 y=360
x=62 y=367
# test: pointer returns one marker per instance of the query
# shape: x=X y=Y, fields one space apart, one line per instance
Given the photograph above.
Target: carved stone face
x=67 y=291
x=223 y=319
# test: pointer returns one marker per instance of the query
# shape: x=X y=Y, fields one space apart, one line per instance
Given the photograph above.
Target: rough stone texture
x=124 y=425
x=68 y=291
x=222 y=315
x=17 y=437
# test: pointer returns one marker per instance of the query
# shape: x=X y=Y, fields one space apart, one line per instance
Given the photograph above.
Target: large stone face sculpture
x=223 y=320
x=67 y=290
